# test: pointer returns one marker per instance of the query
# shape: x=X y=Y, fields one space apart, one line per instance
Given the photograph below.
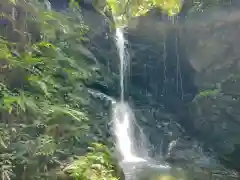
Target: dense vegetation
x=48 y=116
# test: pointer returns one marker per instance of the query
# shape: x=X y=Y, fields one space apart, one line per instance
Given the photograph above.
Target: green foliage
x=125 y=9
x=46 y=110
x=94 y=165
x=207 y=93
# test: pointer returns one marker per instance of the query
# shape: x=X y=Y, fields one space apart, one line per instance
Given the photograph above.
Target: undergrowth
x=47 y=115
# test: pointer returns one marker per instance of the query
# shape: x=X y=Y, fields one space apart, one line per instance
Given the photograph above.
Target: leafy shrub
x=47 y=113
x=96 y=164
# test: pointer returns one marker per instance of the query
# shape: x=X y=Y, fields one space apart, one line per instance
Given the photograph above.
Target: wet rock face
x=212 y=44
x=213 y=51
x=216 y=119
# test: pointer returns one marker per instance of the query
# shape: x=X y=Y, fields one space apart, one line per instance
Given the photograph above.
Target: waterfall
x=120 y=42
x=123 y=117
x=134 y=160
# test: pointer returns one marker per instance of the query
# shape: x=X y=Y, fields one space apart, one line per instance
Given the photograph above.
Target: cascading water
x=122 y=113
x=120 y=42
x=124 y=125
x=123 y=119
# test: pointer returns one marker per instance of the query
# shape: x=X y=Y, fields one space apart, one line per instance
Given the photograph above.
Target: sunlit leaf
x=124 y=10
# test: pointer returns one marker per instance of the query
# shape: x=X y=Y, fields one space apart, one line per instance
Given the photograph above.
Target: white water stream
x=120 y=42
x=123 y=118
x=124 y=125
